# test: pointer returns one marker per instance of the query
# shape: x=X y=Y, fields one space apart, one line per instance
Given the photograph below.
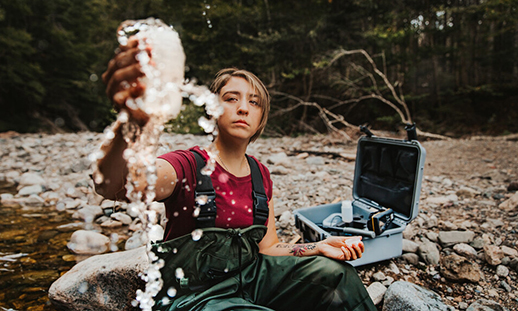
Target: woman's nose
x=242 y=107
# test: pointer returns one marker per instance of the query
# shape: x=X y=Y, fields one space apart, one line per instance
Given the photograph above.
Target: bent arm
x=333 y=247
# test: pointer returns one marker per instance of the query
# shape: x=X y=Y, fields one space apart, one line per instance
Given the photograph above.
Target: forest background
x=453 y=63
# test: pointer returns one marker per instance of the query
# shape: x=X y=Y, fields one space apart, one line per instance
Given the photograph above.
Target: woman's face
x=242 y=111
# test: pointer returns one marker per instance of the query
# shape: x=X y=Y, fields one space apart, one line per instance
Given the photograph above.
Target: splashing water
x=162 y=101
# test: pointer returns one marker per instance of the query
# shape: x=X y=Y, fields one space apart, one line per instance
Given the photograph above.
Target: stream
x=33 y=253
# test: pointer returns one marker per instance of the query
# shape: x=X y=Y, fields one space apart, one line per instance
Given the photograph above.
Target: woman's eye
x=230 y=99
x=253 y=102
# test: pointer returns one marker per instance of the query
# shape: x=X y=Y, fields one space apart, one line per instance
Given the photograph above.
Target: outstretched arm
x=122 y=83
x=333 y=247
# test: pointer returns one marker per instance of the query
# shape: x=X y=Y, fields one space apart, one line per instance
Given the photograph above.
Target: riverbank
x=465 y=185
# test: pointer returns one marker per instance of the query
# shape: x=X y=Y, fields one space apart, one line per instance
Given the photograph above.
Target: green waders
x=223 y=270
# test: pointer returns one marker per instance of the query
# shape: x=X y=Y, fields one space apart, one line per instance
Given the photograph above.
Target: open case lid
x=389 y=172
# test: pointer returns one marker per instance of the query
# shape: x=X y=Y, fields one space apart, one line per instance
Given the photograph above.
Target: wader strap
x=204 y=196
x=258 y=193
x=205 y=192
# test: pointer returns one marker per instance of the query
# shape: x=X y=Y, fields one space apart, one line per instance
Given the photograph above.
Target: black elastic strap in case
x=204 y=187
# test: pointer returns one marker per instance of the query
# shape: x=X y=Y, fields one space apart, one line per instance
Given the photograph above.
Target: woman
x=265 y=274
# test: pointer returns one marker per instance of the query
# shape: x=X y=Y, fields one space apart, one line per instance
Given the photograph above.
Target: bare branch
x=406 y=117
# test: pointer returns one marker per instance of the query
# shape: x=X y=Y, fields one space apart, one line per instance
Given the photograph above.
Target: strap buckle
x=207 y=216
x=261 y=210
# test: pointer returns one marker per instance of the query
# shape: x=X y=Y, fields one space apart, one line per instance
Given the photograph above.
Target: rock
x=409 y=246
x=429 y=253
x=376 y=291
x=441 y=200
x=102 y=282
x=111 y=223
x=389 y=280
x=513 y=186
x=135 y=241
x=88 y=213
x=378 y=276
x=122 y=217
x=5 y=197
x=508 y=251
x=510 y=204
x=448 y=225
x=466 y=192
x=278 y=158
x=506 y=286
x=458 y=268
x=493 y=254
x=478 y=243
x=432 y=236
x=465 y=250
x=394 y=268
x=33 y=201
x=409 y=232
x=315 y=161
x=502 y=271
x=28 y=190
x=279 y=170
x=485 y=305
x=449 y=238
x=30 y=179
x=402 y=295
x=88 y=242
x=285 y=220
x=411 y=258
x=432 y=222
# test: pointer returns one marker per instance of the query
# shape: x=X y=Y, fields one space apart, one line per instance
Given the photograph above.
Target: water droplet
x=83 y=287
x=229 y=219
x=166 y=301
x=196 y=234
x=171 y=292
x=233 y=202
x=175 y=250
x=249 y=210
x=202 y=199
x=196 y=212
x=226 y=270
x=123 y=40
x=231 y=193
x=185 y=208
x=179 y=273
x=175 y=214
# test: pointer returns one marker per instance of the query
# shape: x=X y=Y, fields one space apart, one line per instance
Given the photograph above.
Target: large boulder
x=402 y=295
x=102 y=282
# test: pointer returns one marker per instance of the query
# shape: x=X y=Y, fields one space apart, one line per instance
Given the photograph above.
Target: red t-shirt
x=233 y=195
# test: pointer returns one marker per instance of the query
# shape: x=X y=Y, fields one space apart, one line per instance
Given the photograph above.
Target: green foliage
x=445 y=55
x=187 y=121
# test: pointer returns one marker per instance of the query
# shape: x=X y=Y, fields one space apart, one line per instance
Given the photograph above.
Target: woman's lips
x=240 y=122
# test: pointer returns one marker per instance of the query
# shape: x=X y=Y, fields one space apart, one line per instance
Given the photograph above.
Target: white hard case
x=388 y=173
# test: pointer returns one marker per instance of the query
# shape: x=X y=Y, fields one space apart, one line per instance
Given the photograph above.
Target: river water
x=33 y=253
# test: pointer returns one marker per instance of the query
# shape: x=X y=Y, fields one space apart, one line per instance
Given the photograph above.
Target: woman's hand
x=336 y=247
x=122 y=80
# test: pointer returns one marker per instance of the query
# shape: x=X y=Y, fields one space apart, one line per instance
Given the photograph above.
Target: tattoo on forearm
x=298 y=249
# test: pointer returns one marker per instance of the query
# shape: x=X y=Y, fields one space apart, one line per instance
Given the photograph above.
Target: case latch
x=411 y=131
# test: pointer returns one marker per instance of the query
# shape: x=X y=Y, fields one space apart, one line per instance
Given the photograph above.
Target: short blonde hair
x=222 y=78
